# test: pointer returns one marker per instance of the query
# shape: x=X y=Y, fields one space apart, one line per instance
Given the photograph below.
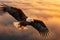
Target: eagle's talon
x=23 y=28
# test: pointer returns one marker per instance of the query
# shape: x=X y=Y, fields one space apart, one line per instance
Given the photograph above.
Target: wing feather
x=15 y=12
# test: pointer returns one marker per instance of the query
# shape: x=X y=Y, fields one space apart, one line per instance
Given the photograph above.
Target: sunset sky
x=46 y=10
x=39 y=8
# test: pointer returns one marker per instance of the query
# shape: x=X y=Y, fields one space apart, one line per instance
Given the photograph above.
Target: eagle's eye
x=29 y=19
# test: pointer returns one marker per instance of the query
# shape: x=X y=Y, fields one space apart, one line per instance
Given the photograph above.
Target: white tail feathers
x=16 y=24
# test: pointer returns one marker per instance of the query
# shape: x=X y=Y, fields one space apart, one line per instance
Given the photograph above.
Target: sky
x=46 y=10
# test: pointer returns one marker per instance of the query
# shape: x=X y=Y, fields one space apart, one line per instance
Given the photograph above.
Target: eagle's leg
x=22 y=27
x=18 y=26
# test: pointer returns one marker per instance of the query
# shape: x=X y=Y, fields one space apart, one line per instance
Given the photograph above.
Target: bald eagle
x=23 y=20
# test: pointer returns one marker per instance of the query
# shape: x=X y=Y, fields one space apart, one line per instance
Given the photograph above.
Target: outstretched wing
x=40 y=27
x=15 y=12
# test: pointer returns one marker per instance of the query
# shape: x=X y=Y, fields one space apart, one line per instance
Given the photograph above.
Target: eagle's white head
x=29 y=19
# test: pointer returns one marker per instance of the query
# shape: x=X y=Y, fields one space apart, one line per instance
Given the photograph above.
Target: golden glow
x=39 y=9
x=46 y=10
